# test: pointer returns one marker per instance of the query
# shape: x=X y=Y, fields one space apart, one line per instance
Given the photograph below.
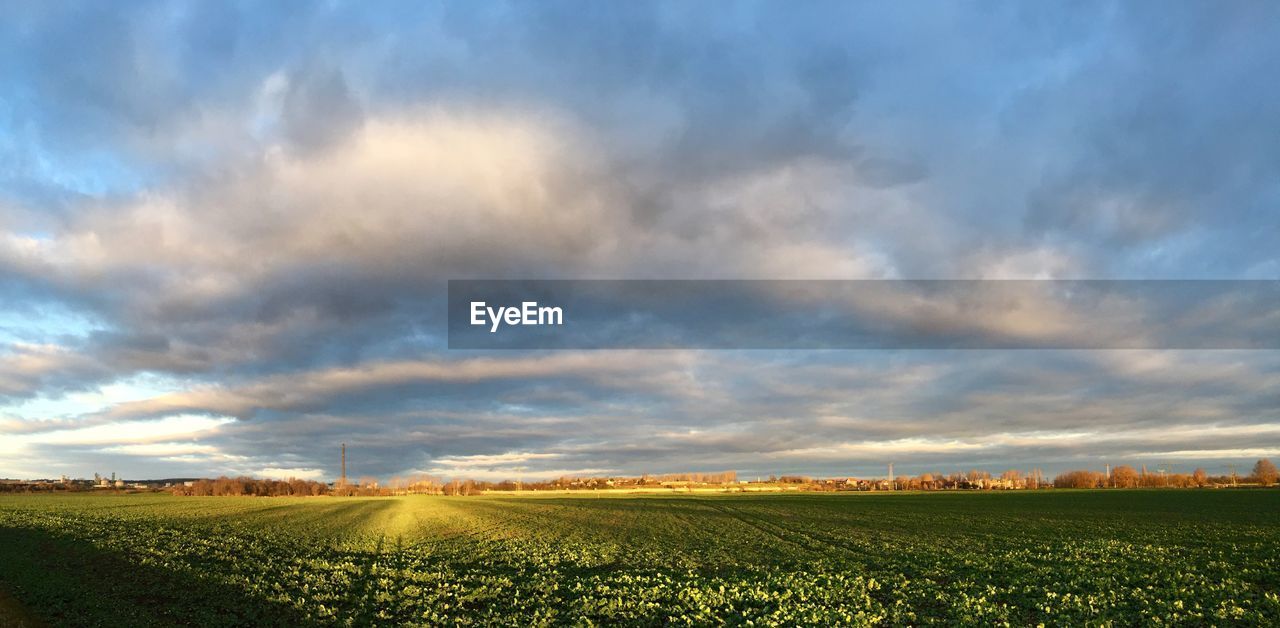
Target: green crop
x=1053 y=557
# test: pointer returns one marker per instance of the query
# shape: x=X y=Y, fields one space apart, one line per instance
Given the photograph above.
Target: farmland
x=1054 y=557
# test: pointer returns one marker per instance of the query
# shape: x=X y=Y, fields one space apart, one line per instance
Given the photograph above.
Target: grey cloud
x=29 y=370
x=1182 y=141
x=319 y=108
x=839 y=413
x=305 y=391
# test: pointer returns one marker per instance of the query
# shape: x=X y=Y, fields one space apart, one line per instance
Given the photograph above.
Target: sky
x=226 y=229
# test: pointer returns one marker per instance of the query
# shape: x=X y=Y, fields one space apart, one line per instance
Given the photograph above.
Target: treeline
x=225 y=486
x=1124 y=476
x=43 y=486
x=1264 y=473
x=722 y=477
x=476 y=487
x=430 y=485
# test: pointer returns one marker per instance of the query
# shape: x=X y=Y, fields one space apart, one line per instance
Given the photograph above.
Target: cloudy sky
x=226 y=229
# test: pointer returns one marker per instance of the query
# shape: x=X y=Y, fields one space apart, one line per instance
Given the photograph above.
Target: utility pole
x=891 y=487
x=343 y=481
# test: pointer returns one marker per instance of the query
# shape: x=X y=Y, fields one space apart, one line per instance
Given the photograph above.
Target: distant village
x=98 y=483
x=1263 y=473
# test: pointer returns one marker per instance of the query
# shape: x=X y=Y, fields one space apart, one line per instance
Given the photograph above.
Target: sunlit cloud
x=127 y=432
x=277 y=473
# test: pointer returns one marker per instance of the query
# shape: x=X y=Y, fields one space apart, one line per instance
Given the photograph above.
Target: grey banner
x=870 y=314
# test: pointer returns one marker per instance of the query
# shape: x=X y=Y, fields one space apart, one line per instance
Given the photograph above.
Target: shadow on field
x=14 y=615
x=70 y=583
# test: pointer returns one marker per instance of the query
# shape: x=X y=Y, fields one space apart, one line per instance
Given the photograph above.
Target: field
x=1053 y=557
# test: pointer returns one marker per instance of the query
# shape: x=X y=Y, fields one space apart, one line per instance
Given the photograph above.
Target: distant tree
x=926 y=480
x=1124 y=476
x=795 y=479
x=1080 y=479
x=1265 y=472
x=1033 y=479
x=1199 y=477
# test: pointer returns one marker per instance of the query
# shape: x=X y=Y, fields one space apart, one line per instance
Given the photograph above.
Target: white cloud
x=278 y=473
x=164 y=429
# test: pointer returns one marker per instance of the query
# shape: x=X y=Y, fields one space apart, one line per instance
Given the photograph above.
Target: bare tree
x=1080 y=479
x=1124 y=476
x=926 y=480
x=1265 y=472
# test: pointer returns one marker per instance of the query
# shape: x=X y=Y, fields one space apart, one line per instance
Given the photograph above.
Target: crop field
x=1052 y=557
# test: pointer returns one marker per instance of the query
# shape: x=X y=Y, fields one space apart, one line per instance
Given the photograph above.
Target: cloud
x=289 y=474
x=506 y=466
x=309 y=391
x=260 y=207
x=28 y=369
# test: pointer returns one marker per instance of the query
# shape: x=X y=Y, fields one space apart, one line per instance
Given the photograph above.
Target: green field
x=1054 y=557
